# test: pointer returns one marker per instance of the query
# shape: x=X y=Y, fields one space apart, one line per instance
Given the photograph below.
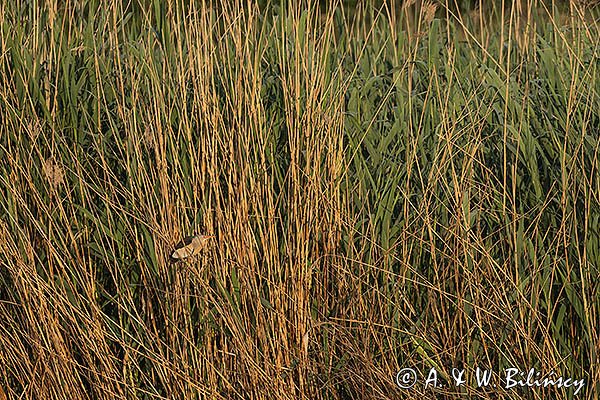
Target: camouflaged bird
x=190 y=246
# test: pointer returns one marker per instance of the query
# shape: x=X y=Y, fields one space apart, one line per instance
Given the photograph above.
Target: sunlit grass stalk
x=388 y=187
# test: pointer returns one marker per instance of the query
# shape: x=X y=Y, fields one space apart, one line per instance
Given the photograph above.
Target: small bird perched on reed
x=190 y=246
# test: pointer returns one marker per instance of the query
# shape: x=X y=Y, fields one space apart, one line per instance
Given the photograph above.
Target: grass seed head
x=53 y=173
x=429 y=9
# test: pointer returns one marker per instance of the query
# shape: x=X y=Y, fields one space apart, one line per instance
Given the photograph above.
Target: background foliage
x=390 y=184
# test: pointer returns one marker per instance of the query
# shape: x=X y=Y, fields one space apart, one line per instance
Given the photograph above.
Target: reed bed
x=397 y=185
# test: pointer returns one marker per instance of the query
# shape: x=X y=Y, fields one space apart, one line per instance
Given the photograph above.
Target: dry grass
x=383 y=193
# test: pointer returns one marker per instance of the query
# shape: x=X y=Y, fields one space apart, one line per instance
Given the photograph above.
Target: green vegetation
x=389 y=186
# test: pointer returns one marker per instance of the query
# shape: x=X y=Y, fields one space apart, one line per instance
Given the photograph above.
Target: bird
x=190 y=246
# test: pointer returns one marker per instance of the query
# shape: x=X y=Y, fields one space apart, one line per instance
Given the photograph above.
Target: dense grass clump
x=396 y=185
